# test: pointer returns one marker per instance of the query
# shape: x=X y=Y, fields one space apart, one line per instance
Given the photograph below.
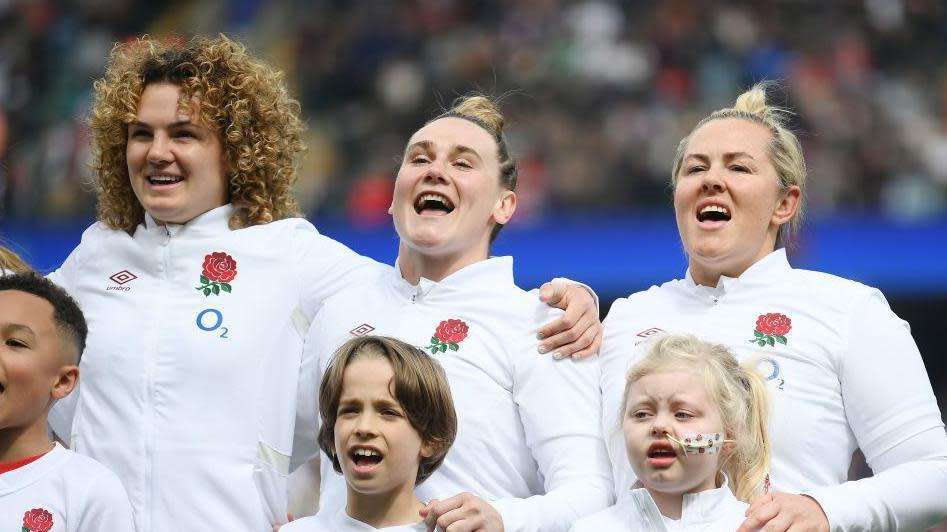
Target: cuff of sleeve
x=836 y=506
x=513 y=520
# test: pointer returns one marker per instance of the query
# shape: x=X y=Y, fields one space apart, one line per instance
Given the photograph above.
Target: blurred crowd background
x=597 y=94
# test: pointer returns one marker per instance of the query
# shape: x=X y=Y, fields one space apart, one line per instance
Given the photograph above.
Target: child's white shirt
x=716 y=510
x=339 y=521
x=75 y=492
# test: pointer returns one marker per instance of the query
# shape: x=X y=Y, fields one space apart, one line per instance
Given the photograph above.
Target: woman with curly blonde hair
x=199 y=283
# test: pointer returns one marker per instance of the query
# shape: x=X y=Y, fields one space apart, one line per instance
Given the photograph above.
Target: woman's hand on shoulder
x=578 y=332
x=461 y=513
x=778 y=511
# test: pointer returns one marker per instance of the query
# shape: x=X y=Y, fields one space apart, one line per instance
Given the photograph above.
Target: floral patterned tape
x=699 y=443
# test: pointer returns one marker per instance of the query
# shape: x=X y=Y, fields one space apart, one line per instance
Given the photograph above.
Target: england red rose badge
x=37 y=520
x=219 y=270
x=448 y=335
x=771 y=328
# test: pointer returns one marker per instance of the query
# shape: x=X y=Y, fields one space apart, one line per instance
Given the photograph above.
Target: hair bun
x=481 y=108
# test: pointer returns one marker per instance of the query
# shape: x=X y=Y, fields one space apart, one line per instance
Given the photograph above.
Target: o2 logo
x=210 y=320
x=770 y=370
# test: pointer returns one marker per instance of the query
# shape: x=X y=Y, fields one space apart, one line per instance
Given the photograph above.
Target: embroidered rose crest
x=219 y=270
x=37 y=520
x=447 y=336
x=771 y=328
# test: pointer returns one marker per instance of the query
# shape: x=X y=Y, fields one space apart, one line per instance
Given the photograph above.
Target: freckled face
x=176 y=165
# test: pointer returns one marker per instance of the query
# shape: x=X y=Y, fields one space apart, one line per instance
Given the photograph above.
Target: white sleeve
x=325 y=267
x=305 y=444
x=107 y=506
x=62 y=413
x=893 y=414
x=617 y=354
x=560 y=406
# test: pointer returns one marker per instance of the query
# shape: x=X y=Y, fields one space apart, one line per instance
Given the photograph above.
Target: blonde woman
x=843 y=369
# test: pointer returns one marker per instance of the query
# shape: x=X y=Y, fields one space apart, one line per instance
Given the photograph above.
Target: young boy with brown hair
x=43 y=486
x=388 y=421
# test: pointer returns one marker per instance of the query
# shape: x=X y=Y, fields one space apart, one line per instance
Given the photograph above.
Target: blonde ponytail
x=748 y=466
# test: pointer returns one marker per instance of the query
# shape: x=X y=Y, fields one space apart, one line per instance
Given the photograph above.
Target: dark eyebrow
x=25 y=330
x=426 y=144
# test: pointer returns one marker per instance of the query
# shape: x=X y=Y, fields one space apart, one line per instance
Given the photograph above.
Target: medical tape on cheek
x=699 y=442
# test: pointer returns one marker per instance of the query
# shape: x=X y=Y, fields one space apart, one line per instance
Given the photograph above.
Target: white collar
x=209 y=223
x=702 y=507
x=763 y=271
x=21 y=477
x=344 y=520
x=474 y=277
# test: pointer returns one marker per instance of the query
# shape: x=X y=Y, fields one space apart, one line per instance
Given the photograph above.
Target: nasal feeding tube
x=700 y=443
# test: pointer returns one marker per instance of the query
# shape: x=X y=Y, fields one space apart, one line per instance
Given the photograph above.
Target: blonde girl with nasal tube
x=694 y=423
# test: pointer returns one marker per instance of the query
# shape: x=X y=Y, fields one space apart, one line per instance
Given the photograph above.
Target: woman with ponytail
x=529 y=455
x=842 y=368
x=694 y=425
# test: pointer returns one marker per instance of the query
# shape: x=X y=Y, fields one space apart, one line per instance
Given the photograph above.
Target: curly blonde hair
x=243 y=98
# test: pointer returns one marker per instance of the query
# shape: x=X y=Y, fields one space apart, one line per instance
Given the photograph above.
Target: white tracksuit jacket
x=189 y=376
x=716 y=510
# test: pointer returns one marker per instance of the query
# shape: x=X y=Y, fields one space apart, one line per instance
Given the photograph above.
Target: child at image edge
x=387 y=422
x=694 y=423
x=43 y=486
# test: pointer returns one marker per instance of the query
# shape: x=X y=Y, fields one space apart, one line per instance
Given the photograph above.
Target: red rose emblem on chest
x=219 y=266
x=448 y=335
x=37 y=520
x=218 y=271
x=771 y=328
x=452 y=331
x=774 y=323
